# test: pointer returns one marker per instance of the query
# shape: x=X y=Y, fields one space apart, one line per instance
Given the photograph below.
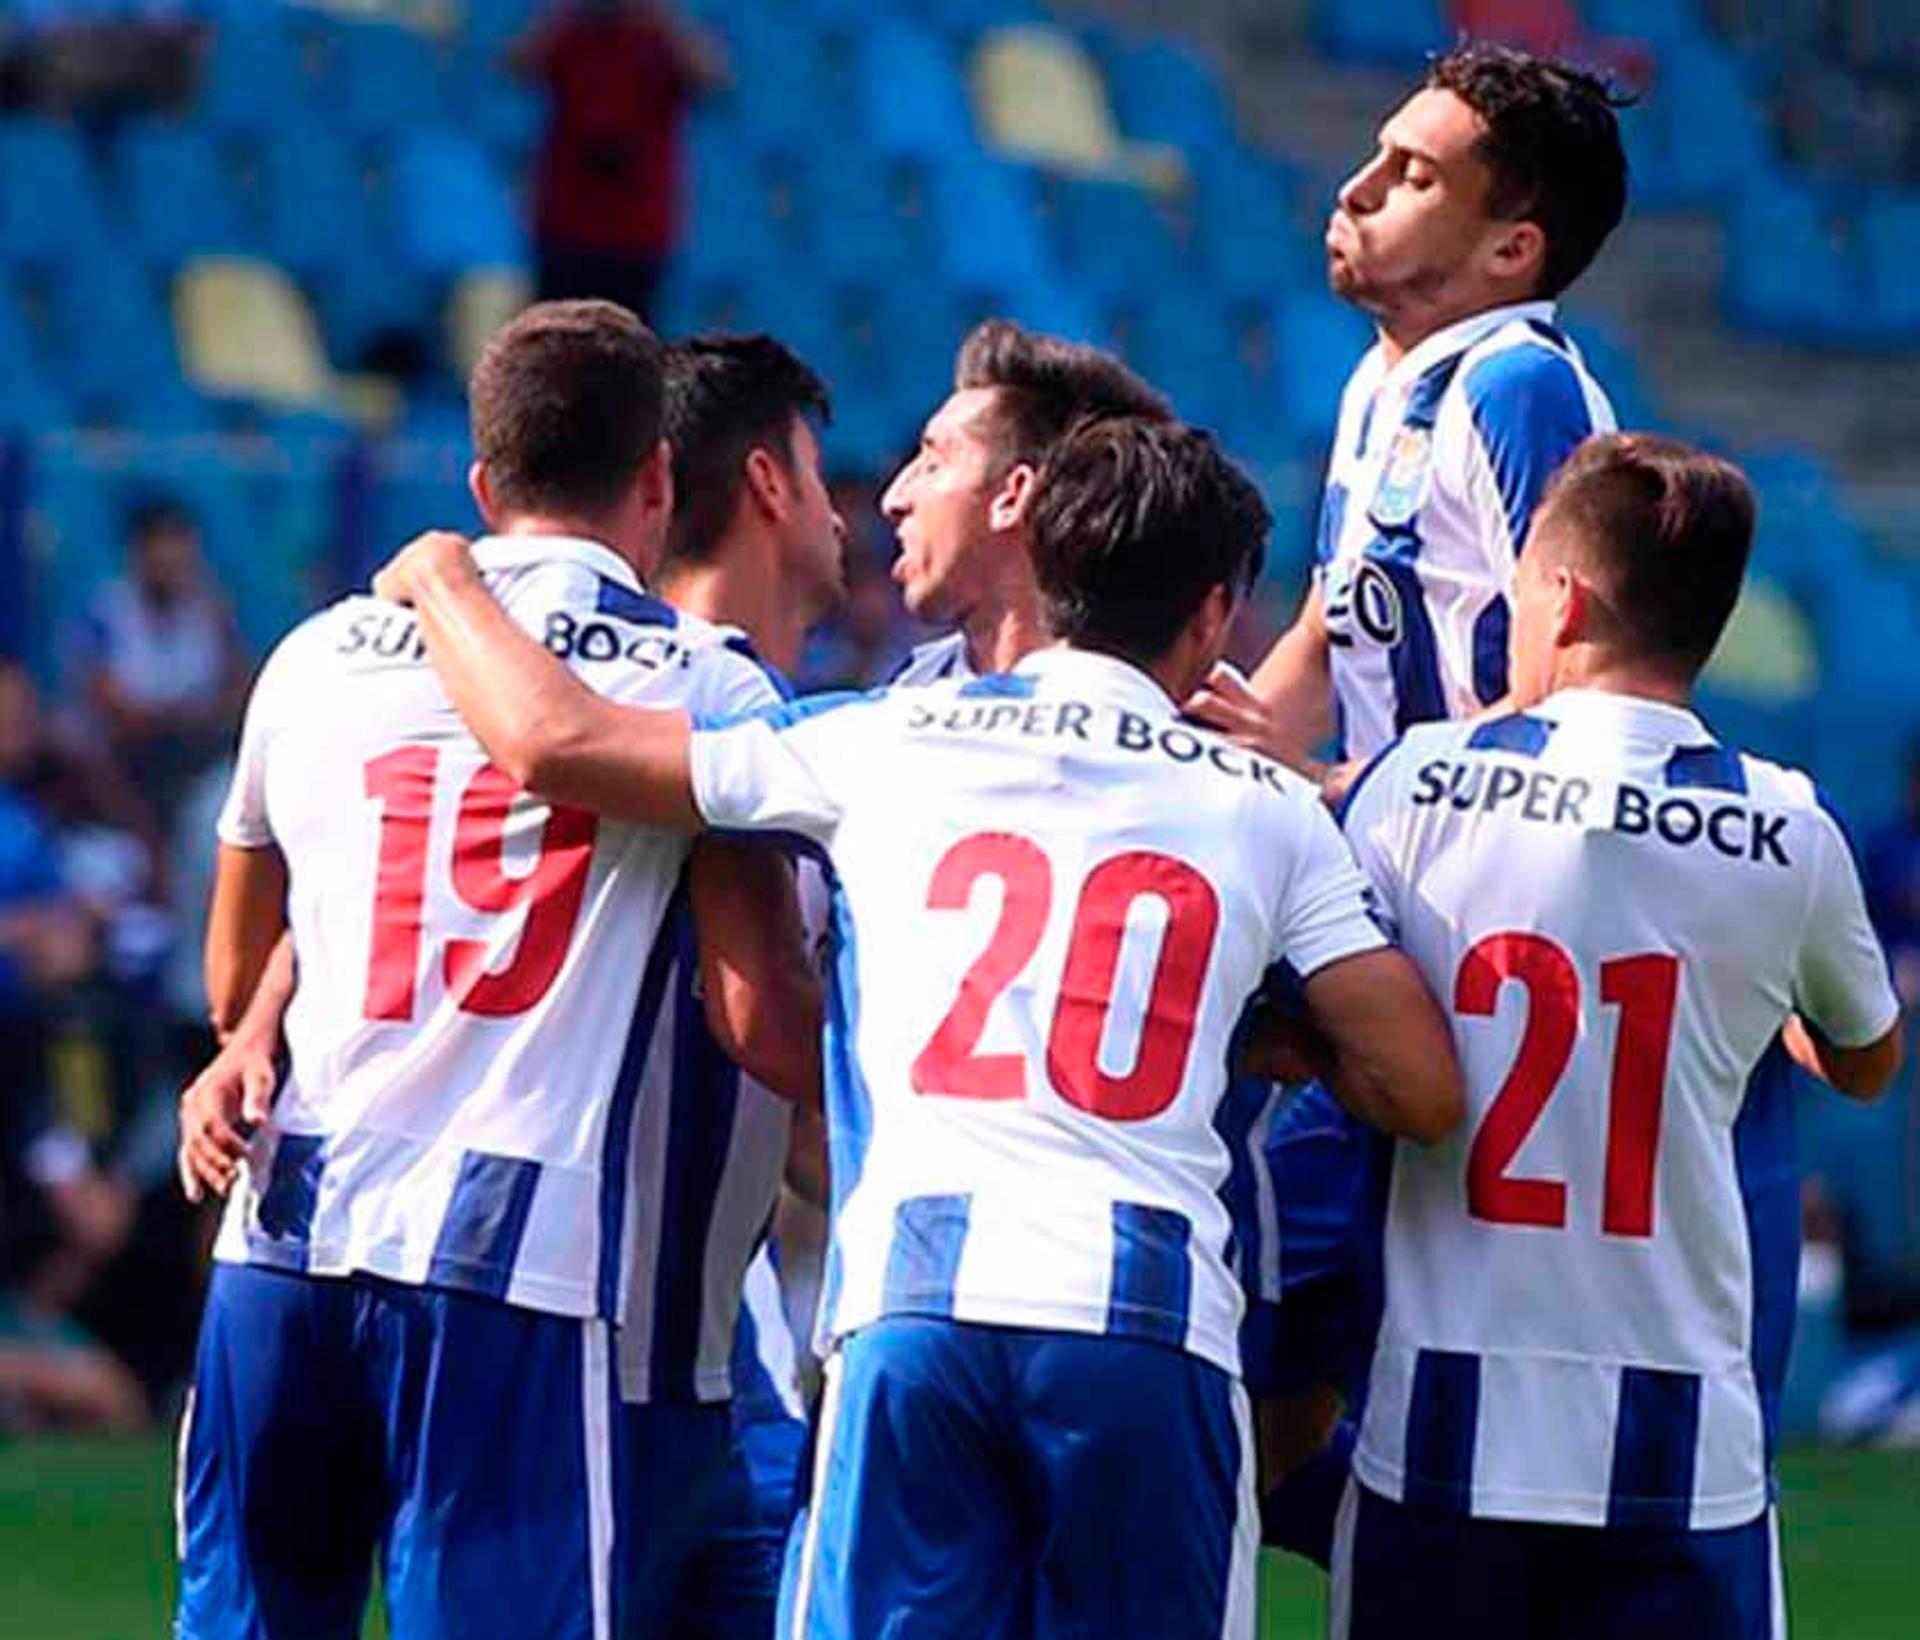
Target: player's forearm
x=1395 y=1063
x=260 y=1024
x=1859 y=1073
x=245 y=923
x=538 y=722
x=1296 y=682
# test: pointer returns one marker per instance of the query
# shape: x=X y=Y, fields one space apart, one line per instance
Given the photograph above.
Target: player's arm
x=1863 y=1073
x=1286 y=709
x=762 y=993
x=1390 y=1053
x=247 y=919
x=1846 y=1026
x=538 y=722
x=234 y=1093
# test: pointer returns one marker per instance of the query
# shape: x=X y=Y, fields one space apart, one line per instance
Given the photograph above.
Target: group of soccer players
x=567 y=904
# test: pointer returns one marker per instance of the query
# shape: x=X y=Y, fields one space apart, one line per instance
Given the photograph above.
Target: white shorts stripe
x=1777 y=1628
x=1243 y=1571
x=596 y=1421
x=180 y=1479
x=817 y=1504
x=1340 y=1582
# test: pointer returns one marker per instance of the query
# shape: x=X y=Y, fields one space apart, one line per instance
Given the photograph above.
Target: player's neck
x=1400 y=334
x=1000 y=635
x=1603 y=674
x=639 y=555
x=733 y=590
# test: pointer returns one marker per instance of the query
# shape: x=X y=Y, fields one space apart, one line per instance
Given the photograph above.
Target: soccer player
x=960 y=506
x=406 y=1345
x=1491 y=191
x=756 y=549
x=1054 y=901
x=1590 y=1288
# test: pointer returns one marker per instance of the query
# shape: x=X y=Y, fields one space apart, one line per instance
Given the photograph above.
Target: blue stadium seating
x=1789 y=269
x=1889 y=251
x=911 y=93
x=1396 y=32
x=450 y=209
x=176 y=194
x=1115 y=241
x=254 y=82
x=51 y=206
x=1247 y=227
x=1164 y=92
x=381 y=79
x=1317 y=340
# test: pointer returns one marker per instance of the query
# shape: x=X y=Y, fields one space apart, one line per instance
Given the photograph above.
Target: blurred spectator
x=101 y=60
x=1893 y=888
x=165 y=669
x=61 y=1218
x=620 y=75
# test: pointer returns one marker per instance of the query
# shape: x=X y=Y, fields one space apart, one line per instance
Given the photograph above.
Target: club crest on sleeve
x=1403 y=481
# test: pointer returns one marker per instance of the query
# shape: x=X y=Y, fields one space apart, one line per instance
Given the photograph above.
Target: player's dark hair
x=1667 y=528
x=157 y=515
x=727 y=396
x=1552 y=144
x=1135 y=520
x=566 y=406
x=1045 y=385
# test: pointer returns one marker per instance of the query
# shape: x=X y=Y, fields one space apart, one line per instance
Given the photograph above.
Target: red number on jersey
x=949 y=1066
x=1646 y=990
x=402 y=783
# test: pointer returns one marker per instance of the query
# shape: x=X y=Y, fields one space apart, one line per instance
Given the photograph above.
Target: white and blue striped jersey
x=935 y=661
x=1054 y=900
x=480 y=973
x=1438 y=463
x=1590 y=1288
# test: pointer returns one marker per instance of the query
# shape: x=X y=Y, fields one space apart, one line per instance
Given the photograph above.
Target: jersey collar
x=521 y=551
x=1630 y=715
x=1463 y=334
x=1105 y=677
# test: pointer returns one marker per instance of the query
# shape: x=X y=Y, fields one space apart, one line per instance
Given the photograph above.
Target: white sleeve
x=1840 y=981
x=783 y=769
x=1366 y=819
x=243 y=818
x=1324 y=913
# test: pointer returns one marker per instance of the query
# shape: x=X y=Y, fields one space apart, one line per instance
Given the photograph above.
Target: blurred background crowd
x=248 y=251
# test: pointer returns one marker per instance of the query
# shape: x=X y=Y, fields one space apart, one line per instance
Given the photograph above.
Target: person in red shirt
x=621 y=75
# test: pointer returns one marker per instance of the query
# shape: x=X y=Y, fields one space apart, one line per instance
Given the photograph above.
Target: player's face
x=1411 y=232
x=940 y=506
x=816 y=536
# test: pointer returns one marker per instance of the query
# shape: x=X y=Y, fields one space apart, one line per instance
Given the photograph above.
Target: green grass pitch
x=86 y=1547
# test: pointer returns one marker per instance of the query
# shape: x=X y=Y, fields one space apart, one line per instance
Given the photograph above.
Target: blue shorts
x=1315 y=1304
x=465 y=1441
x=1400 y=1570
x=986 y=1482
x=704 y=1521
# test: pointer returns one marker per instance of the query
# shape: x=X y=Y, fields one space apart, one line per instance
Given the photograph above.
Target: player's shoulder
x=935 y=661
x=1525 y=368
x=1764 y=782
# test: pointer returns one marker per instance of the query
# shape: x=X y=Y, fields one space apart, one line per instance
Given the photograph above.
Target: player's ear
x=1519 y=252
x=1008 y=509
x=655 y=479
x=1573 y=608
x=481 y=489
x=767 y=482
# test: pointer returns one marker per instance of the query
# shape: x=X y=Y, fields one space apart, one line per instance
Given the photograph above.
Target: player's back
x=477 y=969
x=1055 y=901
x=1589 y=1287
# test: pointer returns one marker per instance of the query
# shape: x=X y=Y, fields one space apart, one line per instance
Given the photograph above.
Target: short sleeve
x=1324 y=914
x=1529 y=412
x=243 y=817
x=1840 y=981
x=784 y=769
x=1366 y=820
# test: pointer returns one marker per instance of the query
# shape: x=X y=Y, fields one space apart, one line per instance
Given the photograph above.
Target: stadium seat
x=1039 y=98
x=253 y=82
x=846 y=212
x=1165 y=92
x=245 y=331
x=1889 y=254
x=312 y=204
x=29 y=400
x=1394 y=32
x=381 y=79
x=1247 y=228
x=1318 y=340
x=911 y=93
x=450 y=209
x=1116 y=242
x=52 y=207
x=177 y=194
x=1789 y=269
x=480 y=303
x=109 y=332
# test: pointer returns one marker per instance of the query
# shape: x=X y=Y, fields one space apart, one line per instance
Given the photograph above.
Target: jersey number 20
x=951 y=1064
x=402 y=783
x=1646 y=990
